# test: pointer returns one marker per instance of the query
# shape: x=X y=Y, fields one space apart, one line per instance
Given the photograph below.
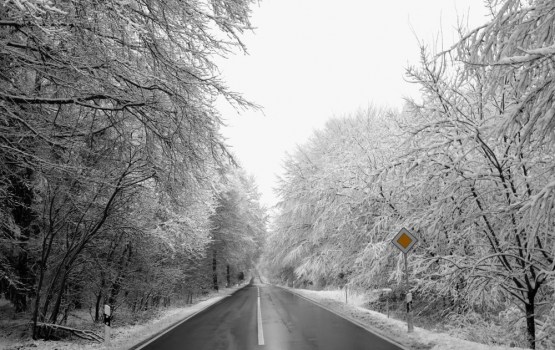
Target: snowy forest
x=116 y=186
x=469 y=168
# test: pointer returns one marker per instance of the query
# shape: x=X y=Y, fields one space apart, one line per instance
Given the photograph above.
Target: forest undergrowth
x=130 y=328
x=501 y=329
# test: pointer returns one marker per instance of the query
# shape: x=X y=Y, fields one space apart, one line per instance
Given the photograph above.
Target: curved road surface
x=283 y=321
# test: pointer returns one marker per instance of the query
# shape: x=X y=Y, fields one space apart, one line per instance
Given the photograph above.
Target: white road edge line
x=260 y=330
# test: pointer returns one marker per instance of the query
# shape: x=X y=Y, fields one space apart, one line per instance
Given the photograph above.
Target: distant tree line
x=115 y=183
x=469 y=168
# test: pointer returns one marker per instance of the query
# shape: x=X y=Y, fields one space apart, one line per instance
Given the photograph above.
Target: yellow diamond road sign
x=404 y=240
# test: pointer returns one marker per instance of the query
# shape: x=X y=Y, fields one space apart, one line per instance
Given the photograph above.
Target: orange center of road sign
x=404 y=240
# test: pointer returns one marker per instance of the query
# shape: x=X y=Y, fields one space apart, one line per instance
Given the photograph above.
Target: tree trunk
x=16 y=296
x=123 y=263
x=75 y=290
x=530 y=323
x=114 y=291
x=43 y=261
x=214 y=271
x=228 y=277
x=146 y=301
x=23 y=217
x=51 y=288
x=64 y=318
x=37 y=300
x=56 y=310
x=97 y=307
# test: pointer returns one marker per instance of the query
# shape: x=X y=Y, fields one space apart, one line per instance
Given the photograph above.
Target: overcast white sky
x=310 y=60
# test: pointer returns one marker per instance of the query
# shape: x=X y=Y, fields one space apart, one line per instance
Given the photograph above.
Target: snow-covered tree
x=482 y=237
x=238 y=226
x=486 y=128
x=102 y=103
x=331 y=210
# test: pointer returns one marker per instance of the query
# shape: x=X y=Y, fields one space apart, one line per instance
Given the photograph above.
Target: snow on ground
x=125 y=337
x=353 y=298
x=395 y=330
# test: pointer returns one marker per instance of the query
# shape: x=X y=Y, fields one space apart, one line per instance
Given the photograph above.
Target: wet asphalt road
x=288 y=322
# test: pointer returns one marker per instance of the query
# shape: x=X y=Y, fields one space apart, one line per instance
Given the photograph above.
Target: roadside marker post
x=405 y=241
x=107 y=324
x=386 y=292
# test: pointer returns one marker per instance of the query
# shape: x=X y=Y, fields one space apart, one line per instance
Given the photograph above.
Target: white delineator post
x=107 y=324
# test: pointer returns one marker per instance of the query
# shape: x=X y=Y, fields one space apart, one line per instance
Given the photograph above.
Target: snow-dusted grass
x=353 y=297
x=124 y=337
x=395 y=330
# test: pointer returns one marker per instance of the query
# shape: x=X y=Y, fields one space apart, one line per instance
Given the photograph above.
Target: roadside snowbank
x=393 y=329
x=125 y=337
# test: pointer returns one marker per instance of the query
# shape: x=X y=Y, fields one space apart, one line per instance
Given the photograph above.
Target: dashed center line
x=260 y=330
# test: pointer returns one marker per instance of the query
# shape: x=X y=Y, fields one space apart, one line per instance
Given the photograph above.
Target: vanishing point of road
x=261 y=316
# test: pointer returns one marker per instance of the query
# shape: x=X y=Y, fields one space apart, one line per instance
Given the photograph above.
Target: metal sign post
x=409 y=296
x=107 y=324
x=405 y=241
